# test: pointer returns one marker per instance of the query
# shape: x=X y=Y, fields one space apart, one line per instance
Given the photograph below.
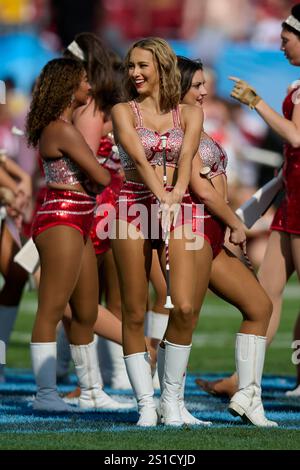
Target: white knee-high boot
x=176 y=361
x=87 y=370
x=155 y=327
x=139 y=373
x=246 y=402
x=8 y=316
x=43 y=357
x=112 y=365
x=187 y=417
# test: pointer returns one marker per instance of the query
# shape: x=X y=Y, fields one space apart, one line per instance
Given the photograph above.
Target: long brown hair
x=99 y=67
x=53 y=92
x=166 y=62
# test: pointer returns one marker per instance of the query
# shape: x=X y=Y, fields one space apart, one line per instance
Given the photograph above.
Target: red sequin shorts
x=105 y=214
x=65 y=207
x=209 y=227
x=138 y=206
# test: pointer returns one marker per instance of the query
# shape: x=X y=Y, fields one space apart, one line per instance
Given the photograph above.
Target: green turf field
x=213 y=351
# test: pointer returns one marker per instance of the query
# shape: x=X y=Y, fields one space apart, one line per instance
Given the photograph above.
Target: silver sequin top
x=213 y=156
x=62 y=170
x=152 y=143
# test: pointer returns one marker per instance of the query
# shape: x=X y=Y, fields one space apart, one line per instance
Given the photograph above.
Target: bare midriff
x=133 y=175
x=67 y=187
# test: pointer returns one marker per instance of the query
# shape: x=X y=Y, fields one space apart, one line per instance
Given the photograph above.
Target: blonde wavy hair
x=169 y=75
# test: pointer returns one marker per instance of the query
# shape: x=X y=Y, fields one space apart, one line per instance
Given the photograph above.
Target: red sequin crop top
x=62 y=170
x=151 y=141
x=213 y=156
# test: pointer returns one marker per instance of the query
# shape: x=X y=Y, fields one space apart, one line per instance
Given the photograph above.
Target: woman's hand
x=7 y=196
x=25 y=187
x=244 y=93
x=238 y=235
x=169 y=208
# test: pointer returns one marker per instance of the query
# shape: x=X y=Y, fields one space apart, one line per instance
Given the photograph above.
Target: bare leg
x=111 y=354
x=173 y=361
x=273 y=280
x=133 y=262
x=183 y=287
x=295 y=243
x=160 y=291
x=108 y=326
x=275 y=271
x=112 y=288
x=84 y=299
x=58 y=246
x=203 y=270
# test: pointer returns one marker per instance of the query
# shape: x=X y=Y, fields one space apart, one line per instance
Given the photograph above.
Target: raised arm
x=71 y=142
x=288 y=130
x=126 y=135
x=192 y=120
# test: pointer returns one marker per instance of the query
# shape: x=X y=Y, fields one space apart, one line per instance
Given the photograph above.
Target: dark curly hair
x=166 y=62
x=99 y=68
x=58 y=80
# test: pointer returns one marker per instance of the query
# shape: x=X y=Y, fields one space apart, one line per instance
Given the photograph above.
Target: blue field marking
x=17 y=416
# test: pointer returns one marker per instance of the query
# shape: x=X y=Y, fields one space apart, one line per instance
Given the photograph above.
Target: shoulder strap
x=176 y=117
x=136 y=111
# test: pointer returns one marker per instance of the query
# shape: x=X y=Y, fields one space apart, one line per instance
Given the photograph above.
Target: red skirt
x=287 y=216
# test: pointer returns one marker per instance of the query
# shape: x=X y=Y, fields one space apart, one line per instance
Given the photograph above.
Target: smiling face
x=83 y=91
x=290 y=45
x=143 y=71
x=197 y=91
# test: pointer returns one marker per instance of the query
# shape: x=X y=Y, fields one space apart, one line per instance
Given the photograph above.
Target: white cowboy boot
x=155 y=324
x=176 y=360
x=155 y=327
x=246 y=402
x=43 y=357
x=87 y=370
x=187 y=417
x=112 y=365
x=139 y=373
